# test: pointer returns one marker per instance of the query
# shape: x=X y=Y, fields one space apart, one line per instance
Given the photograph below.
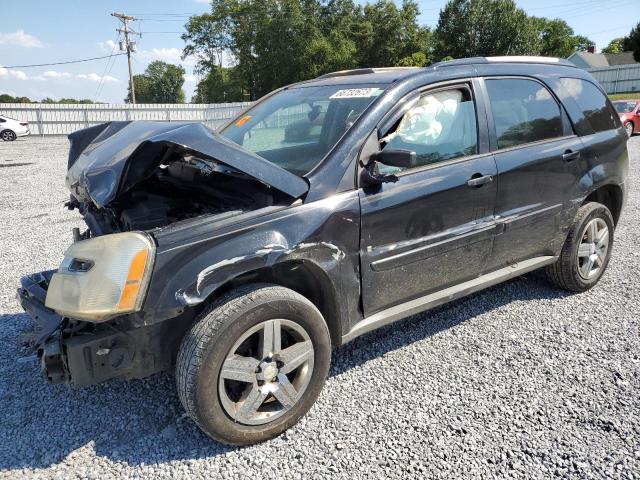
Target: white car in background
x=11 y=129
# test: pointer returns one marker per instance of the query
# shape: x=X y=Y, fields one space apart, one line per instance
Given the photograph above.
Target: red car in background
x=629 y=111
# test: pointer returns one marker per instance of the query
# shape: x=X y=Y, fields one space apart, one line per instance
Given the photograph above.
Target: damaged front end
x=130 y=180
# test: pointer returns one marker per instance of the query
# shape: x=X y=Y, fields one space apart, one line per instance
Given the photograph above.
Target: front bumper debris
x=31 y=295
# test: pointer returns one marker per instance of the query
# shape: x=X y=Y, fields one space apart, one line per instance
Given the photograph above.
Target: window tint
x=439 y=126
x=523 y=111
x=594 y=105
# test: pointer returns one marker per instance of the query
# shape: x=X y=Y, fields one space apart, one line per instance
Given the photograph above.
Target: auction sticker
x=357 y=93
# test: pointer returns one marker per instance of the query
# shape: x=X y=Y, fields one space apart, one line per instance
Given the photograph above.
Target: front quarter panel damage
x=323 y=234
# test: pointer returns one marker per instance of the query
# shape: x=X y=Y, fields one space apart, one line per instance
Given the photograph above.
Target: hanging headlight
x=102 y=277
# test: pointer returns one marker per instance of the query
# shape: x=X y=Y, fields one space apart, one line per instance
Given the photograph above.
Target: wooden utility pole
x=125 y=19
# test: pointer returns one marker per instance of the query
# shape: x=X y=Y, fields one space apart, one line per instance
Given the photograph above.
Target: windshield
x=624 y=107
x=296 y=128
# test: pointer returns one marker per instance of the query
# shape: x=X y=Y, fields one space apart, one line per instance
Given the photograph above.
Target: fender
x=190 y=267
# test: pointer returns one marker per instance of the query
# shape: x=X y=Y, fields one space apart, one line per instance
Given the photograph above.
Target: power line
x=62 y=63
x=107 y=68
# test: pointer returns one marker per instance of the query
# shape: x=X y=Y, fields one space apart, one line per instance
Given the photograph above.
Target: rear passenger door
x=537 y=156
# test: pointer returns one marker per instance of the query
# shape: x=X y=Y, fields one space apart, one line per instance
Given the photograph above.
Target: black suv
x=328 y=209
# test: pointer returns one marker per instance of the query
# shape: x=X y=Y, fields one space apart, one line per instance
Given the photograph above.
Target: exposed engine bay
x=127 y=176
x=181 y=187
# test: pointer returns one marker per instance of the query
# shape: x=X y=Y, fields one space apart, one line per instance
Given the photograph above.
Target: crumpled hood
x=110 y=159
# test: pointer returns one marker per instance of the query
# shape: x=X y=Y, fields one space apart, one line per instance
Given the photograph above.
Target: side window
x=2 y=120
x=594 y=105
x=438 y=126
x=523 y=111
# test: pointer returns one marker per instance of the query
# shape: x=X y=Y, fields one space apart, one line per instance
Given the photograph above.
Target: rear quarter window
x=594 y=105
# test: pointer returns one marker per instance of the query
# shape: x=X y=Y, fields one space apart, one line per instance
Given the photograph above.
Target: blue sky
x=44 y=31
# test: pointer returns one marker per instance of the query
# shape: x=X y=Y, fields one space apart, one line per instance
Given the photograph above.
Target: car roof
x=389 y=75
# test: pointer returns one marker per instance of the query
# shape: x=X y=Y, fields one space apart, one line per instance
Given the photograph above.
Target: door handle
x=478 y=180
x=570 y=155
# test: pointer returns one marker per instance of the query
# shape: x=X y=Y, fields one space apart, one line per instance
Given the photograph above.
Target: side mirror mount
x=396 y=158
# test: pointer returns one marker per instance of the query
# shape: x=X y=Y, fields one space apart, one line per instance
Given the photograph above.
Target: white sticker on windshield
x=357 y=93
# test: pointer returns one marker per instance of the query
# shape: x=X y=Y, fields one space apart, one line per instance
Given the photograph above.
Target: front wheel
x=587 y=250
x=253 y=364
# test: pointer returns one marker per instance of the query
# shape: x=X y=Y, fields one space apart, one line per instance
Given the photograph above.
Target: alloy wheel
x=266 y=372
x=593 y=248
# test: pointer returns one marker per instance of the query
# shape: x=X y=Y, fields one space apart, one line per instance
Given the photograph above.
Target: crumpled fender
x=263 y=250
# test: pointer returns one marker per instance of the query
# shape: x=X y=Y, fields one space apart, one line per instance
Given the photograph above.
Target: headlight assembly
x=102 y=277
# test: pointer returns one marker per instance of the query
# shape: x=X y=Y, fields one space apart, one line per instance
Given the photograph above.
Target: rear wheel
x=254 y=364
x=629 y=128
x=587 y=250
x=8 y=135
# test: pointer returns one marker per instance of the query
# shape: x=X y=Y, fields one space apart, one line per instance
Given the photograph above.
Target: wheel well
x=610 y=196
x=300 y=276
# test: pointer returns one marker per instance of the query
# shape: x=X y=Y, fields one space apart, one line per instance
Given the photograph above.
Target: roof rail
x=505 y=59
x=364 y=71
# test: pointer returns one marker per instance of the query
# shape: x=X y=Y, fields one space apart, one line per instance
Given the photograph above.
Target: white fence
x=62 y=119
x=618 y=79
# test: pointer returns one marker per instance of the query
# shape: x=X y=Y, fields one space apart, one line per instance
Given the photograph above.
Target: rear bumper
x=23 y=133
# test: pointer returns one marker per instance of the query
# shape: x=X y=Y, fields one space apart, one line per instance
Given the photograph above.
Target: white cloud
x=54 y=74
x=20 y=39
x=94 y=77
x=10 y=73
x=107 y=46
x=169 y=55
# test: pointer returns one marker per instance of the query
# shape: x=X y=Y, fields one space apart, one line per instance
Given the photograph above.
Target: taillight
x=24 y=124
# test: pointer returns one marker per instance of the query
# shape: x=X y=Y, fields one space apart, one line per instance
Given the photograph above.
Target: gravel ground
x=518 y=381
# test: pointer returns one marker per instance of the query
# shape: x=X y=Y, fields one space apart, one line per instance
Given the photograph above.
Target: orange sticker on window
x=242 y=120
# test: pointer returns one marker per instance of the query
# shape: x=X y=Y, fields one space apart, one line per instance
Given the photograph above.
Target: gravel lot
x=518 y=381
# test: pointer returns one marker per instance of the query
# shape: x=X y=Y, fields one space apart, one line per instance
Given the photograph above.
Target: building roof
x=589 y=60
x=624 y=58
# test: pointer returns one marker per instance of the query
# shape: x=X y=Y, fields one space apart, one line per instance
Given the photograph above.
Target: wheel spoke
x=271 y=338
x=242 y=369
x=584 y=250
x=603 y=239
x=592 y=232
x=295 y=355
x=587 y=266
x=285 y=393
x=251 y=403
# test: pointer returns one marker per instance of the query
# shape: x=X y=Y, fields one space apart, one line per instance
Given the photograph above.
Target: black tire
x=207 y=345
x=628 y=126
x=565 y=272
x=8 y=135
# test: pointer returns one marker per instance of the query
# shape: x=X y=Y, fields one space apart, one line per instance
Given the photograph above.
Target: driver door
x=433 y=227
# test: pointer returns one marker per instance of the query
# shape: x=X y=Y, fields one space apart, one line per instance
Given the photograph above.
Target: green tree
x=468 y=28
x=218 y=86
x=389 y=34
x=558 y=38
x=161 y=83
x=615 y=46
x=632 y=42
